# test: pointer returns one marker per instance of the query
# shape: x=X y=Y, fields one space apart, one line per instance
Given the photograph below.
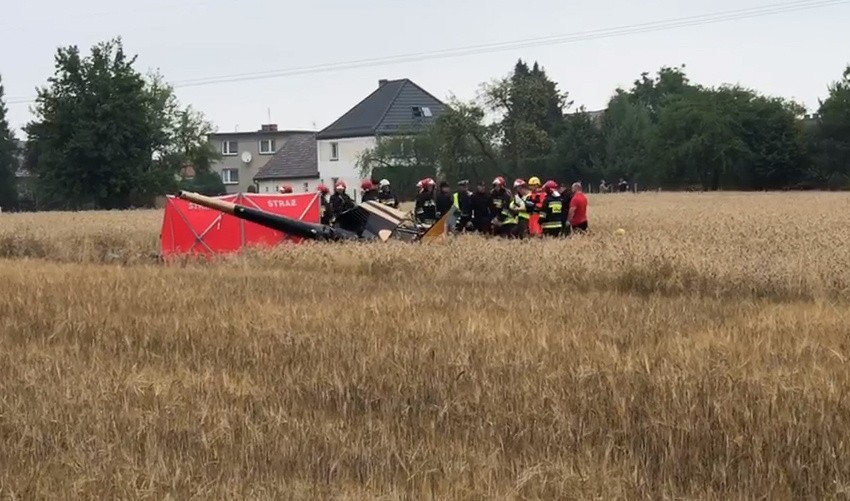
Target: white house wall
x=345 y=168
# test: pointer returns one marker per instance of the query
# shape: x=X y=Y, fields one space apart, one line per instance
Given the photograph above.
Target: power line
x=532 y=42
x=649 y=27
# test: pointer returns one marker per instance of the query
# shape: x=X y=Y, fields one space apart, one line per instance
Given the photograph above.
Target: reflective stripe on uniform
x=523 y=211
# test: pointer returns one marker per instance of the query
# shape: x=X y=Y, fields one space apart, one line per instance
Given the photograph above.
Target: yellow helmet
x=535 y=181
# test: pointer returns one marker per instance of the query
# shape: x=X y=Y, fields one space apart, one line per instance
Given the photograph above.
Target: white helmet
x=384 y=182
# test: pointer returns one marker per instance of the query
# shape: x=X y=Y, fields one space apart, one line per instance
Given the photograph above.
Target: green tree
x=772 y=130
x=107 y=137
x=182 y=139
x=8 y=158
x=465 y=145
x=653 y=93
x=531 y=109
x=730 y=137
x=458 y=145
x=578 y=151
x=402 y=160
x=206 y=183
x=700 y=140
x=627 y=138
x=831 y=138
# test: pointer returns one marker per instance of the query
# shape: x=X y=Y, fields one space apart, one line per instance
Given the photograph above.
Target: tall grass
x=703 y=354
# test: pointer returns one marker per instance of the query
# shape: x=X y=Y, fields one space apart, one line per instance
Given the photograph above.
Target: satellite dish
x=246 y=157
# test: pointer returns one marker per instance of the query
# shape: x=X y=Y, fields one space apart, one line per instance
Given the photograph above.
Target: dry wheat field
x=705 y=354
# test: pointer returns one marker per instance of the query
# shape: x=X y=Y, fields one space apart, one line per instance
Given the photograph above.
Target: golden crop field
x=705 y=354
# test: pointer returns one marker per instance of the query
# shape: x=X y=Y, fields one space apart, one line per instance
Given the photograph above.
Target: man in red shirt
x=578 y=209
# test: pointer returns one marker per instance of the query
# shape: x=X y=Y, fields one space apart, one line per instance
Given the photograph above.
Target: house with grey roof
x=295 y=164
x=261 y=158
x=395 y=108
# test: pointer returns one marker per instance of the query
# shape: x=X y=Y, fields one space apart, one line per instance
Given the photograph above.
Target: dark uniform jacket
x=388 y=198
x=499 y=204
x=325 y=211
x=443 y=201
x=369 y=195
x=463 y=200
x=554 y=212
x=481 y=212
x=425 y=209
x=340 y=203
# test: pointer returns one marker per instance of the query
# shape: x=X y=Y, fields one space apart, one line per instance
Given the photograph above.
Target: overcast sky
x=792 y=54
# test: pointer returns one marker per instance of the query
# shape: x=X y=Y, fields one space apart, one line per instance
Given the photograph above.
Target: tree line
x=105 y=136
x=664 y=132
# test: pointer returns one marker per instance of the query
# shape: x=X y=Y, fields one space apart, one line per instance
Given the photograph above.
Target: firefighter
x=386 y=196
x=537 y=196
x=369 y=191
x=325 y=207
x=340 y=201
x=504 y=220
x=566 y=198
x=462 y=202
x=522 y=206
x=425 y=208
x=552 y=214
x=443 y=200
x=481 y=212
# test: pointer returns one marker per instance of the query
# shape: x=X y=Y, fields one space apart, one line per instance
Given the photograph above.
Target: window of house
x=426 y=111
x=230 y=176
x=417 y=111
x=334 y=151
x=306 y=187
x=267 y=147
x=229 y=148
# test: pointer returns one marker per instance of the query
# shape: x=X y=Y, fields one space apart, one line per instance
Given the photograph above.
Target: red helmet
x=340 y=185
x=550 y=186
x=286 y=189
x=499 y=181
x=518 y=183
x=427 y=182
x=322 y=189
x=367 y=185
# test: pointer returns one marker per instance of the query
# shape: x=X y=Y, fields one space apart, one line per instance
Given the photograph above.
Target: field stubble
x=702 y=354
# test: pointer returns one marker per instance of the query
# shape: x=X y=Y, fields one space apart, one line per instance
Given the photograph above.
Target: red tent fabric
x=188 y=228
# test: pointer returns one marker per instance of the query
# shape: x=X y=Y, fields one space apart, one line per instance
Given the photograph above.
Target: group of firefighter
x=531 y=209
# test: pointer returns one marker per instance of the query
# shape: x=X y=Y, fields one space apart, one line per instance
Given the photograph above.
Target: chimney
x=268 y=128
x=382 y=82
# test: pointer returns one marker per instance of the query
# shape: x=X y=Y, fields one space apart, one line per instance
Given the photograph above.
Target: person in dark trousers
x=553 y=212
x=443 y=199
x=370 y=192
x=425 y=209
x=481 y=213
x=462 y=202
x=566 y=196
x=503 y=220
x=325 y=211
x=340 y=201
x=386 y=196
